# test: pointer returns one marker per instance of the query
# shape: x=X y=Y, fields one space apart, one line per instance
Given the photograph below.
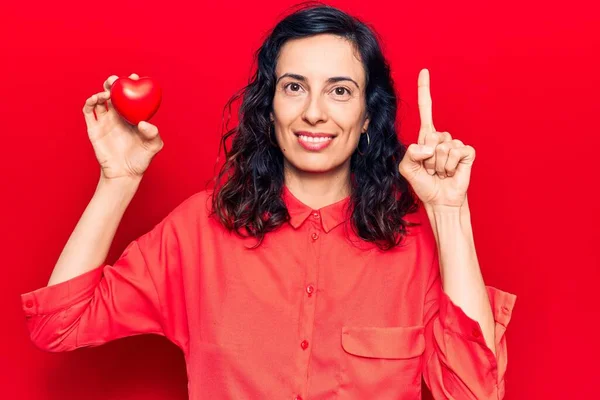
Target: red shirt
x=312 y=313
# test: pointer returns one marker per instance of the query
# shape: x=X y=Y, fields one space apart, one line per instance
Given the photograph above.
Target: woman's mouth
x=314 y=143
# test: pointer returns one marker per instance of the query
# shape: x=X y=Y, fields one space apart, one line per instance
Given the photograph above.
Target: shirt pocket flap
x=397 y=342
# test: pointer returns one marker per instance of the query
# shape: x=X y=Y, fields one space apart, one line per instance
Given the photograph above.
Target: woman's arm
x=90 y=241
x=459 y=269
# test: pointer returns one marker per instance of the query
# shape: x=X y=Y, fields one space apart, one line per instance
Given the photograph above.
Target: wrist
x=125 y=187
x=455 y=219
x=445 y=209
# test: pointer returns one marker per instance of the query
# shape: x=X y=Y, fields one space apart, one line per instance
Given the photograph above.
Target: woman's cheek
x=345 y=115
x=288 y=110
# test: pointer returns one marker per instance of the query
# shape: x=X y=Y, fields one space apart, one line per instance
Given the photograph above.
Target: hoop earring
x=368 y=143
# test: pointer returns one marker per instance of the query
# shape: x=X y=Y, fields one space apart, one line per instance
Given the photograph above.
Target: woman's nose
x=314 y=111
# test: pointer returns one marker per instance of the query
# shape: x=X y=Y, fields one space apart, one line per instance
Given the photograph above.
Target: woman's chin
x=313 y=165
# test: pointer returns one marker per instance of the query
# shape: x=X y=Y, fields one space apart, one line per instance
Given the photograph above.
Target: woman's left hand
x=440 y=178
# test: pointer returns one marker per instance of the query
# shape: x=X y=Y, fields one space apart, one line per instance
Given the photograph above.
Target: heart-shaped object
x=136 y=99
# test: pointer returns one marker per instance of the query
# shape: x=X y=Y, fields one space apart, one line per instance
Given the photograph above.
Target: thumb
x=414 y=156
x=418 y=152
x=148 y=131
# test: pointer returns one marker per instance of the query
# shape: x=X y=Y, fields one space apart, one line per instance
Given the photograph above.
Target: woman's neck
x=318 y=189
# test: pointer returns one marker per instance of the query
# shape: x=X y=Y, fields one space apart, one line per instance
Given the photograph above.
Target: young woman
x=312 y=270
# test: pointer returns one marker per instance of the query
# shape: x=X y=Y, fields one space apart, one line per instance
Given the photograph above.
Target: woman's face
x=320 y=89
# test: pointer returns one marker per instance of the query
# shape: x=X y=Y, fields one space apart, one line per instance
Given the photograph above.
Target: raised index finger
x=425 y=105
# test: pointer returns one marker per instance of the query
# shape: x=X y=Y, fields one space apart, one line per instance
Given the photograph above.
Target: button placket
x=314 y=232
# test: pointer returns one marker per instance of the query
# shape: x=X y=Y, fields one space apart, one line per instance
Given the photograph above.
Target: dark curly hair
x=247 y=196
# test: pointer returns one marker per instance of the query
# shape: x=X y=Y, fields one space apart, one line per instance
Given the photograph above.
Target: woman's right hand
x=122 y=149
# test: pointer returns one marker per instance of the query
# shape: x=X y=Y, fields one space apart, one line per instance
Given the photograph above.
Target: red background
x=516 y=80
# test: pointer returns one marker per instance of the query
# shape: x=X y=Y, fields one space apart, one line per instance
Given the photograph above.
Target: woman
x=311 y=271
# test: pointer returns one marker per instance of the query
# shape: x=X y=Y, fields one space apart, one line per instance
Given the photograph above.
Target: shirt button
x=476 y=332
x=315 y=236
x=304 y=344
x=297 y=398
x=316 y=215
x=310 y=289
x=29 y=304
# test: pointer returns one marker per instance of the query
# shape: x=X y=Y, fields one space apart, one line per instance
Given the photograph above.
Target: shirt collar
x=331 y=215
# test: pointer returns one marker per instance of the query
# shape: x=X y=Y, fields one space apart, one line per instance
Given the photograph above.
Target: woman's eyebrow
x=333 y=79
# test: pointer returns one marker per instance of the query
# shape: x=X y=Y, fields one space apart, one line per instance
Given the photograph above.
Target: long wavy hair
x=247 y=194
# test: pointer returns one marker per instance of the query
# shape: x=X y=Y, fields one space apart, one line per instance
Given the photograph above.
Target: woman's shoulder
x=198 y=205
x=195 y=209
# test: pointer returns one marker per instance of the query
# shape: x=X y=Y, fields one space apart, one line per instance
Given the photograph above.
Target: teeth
x=311 y=139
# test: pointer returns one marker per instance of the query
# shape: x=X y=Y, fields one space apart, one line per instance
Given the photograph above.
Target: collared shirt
x=314 y=312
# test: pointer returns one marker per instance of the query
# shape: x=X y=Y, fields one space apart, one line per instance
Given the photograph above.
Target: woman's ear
x=366 y=123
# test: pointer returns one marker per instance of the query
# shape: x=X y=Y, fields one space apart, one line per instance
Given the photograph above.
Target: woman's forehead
x=319 y=58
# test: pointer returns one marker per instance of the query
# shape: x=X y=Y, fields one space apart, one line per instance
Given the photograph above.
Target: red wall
x=516 y=80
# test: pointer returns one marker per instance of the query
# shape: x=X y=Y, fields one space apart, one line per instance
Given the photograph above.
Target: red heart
x=136 y=99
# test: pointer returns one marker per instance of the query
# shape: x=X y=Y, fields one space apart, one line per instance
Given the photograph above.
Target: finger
x=441 y=157
x=101 y=107
x=108 y=82
x=89 y=109
x=453 y=160
x=425 y=105
x=445 y=137
x=458 y=155
x=432 y=139
x=111 y=79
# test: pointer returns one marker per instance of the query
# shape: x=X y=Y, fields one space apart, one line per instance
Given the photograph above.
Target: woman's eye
x=293 y=87
x=341 y=91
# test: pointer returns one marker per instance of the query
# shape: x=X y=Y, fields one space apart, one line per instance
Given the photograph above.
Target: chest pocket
x=381 y=362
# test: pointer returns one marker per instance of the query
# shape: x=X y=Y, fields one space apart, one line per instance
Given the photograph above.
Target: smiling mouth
x=314 y=141
x=314 y=135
